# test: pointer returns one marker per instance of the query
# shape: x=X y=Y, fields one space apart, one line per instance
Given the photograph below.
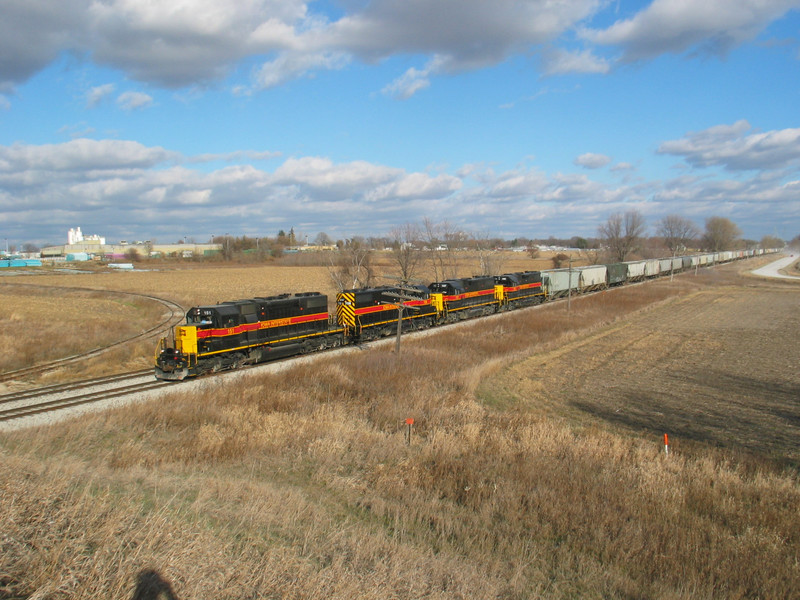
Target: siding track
x=176 y=316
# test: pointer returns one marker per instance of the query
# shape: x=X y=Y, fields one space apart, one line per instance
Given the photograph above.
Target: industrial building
x=81 y=247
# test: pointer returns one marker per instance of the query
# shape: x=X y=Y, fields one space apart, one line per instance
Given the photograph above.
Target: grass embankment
x=300 y=485
x=38 y=324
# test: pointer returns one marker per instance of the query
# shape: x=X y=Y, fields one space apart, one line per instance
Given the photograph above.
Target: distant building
x=75 y=236
x=95 y=247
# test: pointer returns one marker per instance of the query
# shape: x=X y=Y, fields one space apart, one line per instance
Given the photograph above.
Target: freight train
x=243 y=332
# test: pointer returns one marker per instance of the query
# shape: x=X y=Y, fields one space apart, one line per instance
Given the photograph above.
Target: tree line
x=623 y=235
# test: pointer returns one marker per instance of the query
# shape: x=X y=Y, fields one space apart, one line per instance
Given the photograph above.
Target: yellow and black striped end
x=346 y=310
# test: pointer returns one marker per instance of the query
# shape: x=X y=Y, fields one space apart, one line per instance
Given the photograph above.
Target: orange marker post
x=666 y=444
x=409 y=423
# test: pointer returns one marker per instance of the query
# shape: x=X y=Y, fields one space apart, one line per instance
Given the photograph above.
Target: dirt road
x=773 y=269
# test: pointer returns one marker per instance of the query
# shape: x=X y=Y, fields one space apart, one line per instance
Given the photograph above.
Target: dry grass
x=40 y=324
x=300 y=485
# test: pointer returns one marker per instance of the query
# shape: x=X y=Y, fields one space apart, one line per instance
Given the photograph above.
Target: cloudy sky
x=159 y=119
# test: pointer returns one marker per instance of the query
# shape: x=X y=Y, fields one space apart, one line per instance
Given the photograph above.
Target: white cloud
x=557 y=61
x=732 y=147
x=290 y=65
x=414 y=80
x=592 y=161
x=130 y=187
x=416 y=186
x=239 y=155
x=34 y=32
x=677 y=26
x=190 y=42
x=470 y=33
x=199 y=42
x=516 y=184
x=99 y=93
x=321 y=173
x=195 y=42
x=134 y=100
x=82 y=155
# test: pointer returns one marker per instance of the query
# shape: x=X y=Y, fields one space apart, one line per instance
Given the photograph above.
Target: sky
x=165 y=120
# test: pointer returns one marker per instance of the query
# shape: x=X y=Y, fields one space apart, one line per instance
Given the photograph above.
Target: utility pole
x=672 y=267
x=569 y=287
x=400 y=306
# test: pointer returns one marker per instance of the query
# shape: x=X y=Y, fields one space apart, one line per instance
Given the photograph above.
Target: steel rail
x=77 y=400
x=62 y=388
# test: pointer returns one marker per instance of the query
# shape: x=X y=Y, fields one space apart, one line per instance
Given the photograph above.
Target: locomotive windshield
x=200 y=316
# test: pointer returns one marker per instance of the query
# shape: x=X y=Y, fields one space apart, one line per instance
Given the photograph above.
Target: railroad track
x=176 y=316
x=63 y=388
x=53 y=398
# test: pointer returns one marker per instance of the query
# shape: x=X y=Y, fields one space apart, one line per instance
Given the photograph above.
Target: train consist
x=243 y=332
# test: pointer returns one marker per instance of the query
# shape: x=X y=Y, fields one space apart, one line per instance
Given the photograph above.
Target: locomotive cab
x=451 y=287
x=520 y=289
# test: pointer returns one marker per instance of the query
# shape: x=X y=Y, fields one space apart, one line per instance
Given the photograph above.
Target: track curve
x=176 y=315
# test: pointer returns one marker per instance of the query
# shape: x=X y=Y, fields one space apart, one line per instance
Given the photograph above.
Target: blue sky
x=141 y=119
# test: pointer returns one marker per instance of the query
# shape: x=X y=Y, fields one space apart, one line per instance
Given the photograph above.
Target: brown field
x=191 y=284
x=535 y=468
x=40 y=323
x=718 y=366
x=194 y=286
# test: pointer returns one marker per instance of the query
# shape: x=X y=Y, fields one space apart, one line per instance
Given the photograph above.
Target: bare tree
x=350 y=267
x=559 y=260
x=721 y=234
x=323 y=239
x=405 y=249
x=772 y=241
x=442 y=239
x=677 y=232
x=430 y=232
x=591 y=255
x=491 y=261
x=621 y=233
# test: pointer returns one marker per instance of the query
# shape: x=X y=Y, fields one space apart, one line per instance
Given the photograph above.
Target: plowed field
x=719 y=366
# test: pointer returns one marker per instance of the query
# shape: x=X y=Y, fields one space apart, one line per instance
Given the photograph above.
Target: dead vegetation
x=39 y=324
x=515 y=485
